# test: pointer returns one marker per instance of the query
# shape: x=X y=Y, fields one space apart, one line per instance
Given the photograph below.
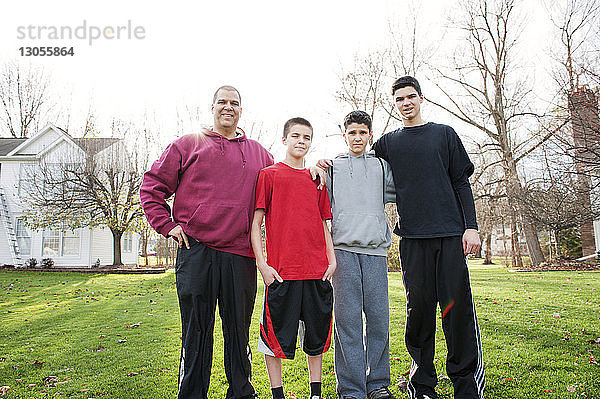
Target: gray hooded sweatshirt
x=358 y=188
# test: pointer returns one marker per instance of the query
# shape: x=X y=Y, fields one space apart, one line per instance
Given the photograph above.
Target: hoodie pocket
x=359 y=230
x=220 y=225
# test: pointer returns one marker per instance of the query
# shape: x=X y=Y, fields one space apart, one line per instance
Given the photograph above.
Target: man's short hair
x=229 y=88
x=295 y=121
x=360 y=117
x=406 y=81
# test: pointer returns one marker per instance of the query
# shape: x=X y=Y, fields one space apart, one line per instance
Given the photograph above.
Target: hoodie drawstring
x=351 y=166
x=243 y=155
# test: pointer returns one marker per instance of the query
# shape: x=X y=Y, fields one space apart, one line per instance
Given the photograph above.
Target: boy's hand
x=178 y=234
x=269 y=274
x=324 y=163
x=329 y=272
x=316 y=171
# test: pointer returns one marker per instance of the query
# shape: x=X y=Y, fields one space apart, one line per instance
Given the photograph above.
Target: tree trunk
x=533 y=243
x=117 y=234
x=504 y=243
x=517 y=260
x=145 y=246
x=516 y=193
x=488 y=250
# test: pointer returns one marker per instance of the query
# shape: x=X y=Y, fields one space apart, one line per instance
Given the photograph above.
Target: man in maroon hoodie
x=213 y=175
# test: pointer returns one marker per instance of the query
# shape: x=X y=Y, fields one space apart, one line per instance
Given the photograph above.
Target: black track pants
x=205 y=275
x=435 y=271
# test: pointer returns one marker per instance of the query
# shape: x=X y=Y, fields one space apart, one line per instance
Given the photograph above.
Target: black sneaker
x=380 y=393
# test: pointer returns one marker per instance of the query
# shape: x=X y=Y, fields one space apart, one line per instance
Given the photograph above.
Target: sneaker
x=380 y=393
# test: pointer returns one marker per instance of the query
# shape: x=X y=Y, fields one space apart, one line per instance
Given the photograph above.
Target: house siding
x=94 y=243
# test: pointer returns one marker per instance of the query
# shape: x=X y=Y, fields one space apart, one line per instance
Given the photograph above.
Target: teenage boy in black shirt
x=438 y=228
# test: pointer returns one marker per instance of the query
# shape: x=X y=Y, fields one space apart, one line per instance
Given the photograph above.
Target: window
x=70 y=242
x=27 y=177
x=23 y=237
x=61 y=243
x=127 y=242
x=50 y=243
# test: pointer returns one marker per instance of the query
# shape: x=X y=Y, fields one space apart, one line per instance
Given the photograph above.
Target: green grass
x=536 y=329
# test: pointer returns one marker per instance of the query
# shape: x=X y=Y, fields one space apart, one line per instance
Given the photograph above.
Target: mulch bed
x=565 y=265
x=103 y=269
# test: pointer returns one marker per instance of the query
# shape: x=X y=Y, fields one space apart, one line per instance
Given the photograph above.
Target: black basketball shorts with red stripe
x=292 y=308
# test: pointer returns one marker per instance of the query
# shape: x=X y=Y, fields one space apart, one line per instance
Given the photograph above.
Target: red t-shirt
x=294 y=214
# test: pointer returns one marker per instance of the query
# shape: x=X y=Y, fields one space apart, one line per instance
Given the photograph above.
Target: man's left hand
x=316 y=171
x=471 y=241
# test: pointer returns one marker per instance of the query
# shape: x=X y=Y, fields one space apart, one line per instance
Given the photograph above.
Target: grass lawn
x=118 y=336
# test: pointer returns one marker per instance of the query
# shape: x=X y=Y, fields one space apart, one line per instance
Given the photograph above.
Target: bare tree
x=367 y=85
x=490 y=196
x=485 y=89
x=24 y=99
x=98 y=189
x=576 y=106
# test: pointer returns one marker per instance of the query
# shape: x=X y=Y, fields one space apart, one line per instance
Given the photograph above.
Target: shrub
x=47 y=263
x=31 y=263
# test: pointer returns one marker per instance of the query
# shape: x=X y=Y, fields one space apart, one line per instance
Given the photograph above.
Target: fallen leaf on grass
x=121 y=341
x=132 y=374
x=4 y=389
x=133 y=325
x=51 y=380
x=595 y=341
x=592 y=358
x=31 y=385
x=37 y=362
x=571 y=388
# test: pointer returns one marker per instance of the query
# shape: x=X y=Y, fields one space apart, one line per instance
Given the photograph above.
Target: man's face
x=408 y=102
x=357 y=137
x=226 y=109
x=298 y=140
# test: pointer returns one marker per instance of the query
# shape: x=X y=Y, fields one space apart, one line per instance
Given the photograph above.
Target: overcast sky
x=284 y=57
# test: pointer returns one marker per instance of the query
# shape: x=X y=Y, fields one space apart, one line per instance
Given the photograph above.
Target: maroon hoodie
x=213 y=179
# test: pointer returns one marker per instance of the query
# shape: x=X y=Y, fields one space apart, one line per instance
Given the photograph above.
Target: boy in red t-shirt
x=301 y=260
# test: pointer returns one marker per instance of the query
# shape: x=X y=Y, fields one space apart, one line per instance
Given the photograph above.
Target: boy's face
x=408 y=102
x=357 y=137
x=298 y=140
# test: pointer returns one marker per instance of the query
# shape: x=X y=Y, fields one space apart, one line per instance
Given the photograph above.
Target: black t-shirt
x=431 y=172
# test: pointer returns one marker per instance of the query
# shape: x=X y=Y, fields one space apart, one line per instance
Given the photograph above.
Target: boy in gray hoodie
x=359 y=186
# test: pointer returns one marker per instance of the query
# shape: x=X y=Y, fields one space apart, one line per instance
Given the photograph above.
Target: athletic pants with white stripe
x=204 y=277
x=434 y=271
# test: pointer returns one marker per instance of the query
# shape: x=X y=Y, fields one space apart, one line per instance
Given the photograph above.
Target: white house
x=79 y=248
